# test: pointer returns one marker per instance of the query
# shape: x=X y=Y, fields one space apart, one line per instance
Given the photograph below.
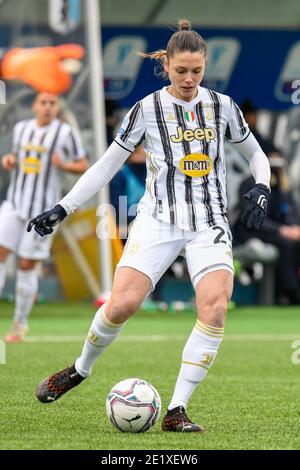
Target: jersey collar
x=186 y=104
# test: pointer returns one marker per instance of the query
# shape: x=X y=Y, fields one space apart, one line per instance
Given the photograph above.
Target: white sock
x=198 y=355
x=101 y=334
x=2 y=277
x=26 y=290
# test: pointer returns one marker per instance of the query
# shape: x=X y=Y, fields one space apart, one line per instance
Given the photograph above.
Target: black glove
x=256 y=210
x=44 y=223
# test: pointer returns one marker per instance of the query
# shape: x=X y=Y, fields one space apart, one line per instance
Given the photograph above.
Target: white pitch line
x=163 y=338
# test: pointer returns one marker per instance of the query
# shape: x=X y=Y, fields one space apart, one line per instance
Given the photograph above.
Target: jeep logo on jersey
x=31 y=165
x=188 y=135
x=196 y=165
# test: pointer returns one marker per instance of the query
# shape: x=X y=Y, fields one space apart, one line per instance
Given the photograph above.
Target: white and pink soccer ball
x=133 y=405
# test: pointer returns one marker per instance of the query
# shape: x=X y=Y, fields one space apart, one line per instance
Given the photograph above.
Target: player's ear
x=166 y=65
x=59 y=110
x=33 y=106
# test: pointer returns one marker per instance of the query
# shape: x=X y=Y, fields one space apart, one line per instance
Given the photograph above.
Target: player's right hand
x=8 y=161
x=43 y=224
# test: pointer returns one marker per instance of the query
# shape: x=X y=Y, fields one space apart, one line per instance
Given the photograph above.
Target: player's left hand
x=256 y=210
x=43 y=224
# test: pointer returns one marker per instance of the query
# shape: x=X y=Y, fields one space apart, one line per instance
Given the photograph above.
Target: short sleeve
x=14 y=142
x=132 y=130
x=72 y=147
x=16 y=134
x=237 y=129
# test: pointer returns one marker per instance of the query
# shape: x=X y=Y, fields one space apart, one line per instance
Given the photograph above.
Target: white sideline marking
x=162 y=338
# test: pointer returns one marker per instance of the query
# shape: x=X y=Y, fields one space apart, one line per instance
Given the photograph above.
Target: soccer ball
x=133 y=405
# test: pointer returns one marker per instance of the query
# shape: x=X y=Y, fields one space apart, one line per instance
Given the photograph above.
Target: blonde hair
x=183 y=39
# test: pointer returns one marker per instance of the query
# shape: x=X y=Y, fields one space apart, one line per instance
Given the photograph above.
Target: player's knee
x=214 y=310
x=219 y=311
x=26 y=264
x=121 y=308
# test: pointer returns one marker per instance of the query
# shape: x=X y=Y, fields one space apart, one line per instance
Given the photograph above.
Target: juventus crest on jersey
x=34 y=185
x=186 y=172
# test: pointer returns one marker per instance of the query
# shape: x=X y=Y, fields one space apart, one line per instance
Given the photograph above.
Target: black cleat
x=52 y=388
x=177 y=421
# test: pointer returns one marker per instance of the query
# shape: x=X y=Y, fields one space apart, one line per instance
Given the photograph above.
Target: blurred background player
x=41 y=148
x=179 y=211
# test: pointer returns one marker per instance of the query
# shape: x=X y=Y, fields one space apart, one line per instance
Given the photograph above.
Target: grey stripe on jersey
x=75 y=147
x=239 y=118
x=205 y=145
x=217 y=113
x=154 y=170
x=11 y=196
x=46 y=178
x=189 y=199
x=228 y=132
x=141 y=140
x=26 y=156
x=36 y=177
x=132 y=120
x=165 y=140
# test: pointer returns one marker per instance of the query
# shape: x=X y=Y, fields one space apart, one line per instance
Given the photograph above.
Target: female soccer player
x=182 y=127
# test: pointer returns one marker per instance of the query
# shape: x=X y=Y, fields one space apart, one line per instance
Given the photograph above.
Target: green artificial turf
x=249 y=400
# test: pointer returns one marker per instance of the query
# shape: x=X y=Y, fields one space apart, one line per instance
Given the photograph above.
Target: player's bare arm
x=77 y=167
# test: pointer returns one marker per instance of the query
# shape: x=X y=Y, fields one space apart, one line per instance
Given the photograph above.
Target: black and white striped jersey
x=186 y=171
x=35 y=186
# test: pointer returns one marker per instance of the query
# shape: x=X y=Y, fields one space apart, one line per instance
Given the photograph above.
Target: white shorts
x=153 y=245
x=14 y=235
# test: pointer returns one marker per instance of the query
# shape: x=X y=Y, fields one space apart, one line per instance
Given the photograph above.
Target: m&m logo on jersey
x=196 y=165
x=31 y=165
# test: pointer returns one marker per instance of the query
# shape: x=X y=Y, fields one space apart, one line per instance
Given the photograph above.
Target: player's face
x=185 y=70
x=46 y=107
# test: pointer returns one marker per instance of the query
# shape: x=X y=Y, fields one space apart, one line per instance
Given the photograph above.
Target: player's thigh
x=129 y=280
x=151 y=247
x=34 y=247
x=130 y=287
x=11 y=227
